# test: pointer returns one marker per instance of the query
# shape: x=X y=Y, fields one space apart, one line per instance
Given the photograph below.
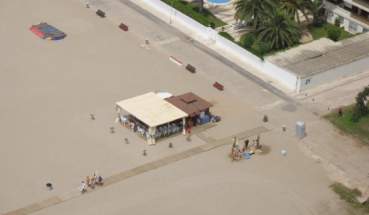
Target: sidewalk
x=119 y=177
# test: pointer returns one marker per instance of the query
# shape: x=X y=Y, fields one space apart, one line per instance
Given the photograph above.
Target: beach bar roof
x=190 y=103
x=151 y=109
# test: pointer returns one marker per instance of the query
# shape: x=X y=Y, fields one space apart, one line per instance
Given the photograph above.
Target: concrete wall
x=347 y=70
x=218 y=43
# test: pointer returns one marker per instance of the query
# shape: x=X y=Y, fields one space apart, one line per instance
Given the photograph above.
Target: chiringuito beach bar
x=157 y=115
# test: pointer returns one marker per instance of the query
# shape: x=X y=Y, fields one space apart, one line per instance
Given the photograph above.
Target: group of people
x=91 y=182
x=238 y=152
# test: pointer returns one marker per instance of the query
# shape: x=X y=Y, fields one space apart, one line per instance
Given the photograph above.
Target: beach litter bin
x=300 y=129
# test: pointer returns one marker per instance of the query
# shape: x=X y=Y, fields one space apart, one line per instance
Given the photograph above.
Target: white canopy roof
x=151 y=109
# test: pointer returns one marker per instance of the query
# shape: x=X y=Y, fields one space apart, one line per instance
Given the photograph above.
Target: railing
x=360 y=18
x=362 y=3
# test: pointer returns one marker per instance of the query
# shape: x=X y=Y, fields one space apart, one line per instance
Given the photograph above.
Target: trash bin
x=300 y=129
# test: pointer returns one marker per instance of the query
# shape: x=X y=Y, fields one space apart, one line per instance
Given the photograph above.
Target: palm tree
x=279 y=30
x=316 y=8
x=253 y=11
x=294 y=7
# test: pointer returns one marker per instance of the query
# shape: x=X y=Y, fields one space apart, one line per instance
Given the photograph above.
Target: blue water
x=219 y=1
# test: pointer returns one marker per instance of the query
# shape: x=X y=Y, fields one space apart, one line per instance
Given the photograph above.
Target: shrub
x=334 y=33
x=337 y=22
x=248 y=40
x=212 y=25
x=345 y=193
x=318 y=22
x=226 y=35
x=192 y=10
x=261 y=48
x=361 y=109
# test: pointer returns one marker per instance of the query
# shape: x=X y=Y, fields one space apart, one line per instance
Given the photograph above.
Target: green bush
x=361 y=109
x=247 y=40
x=350 y=196
x=345 y=193
x=260 y=48
x=334 y=33
x=192 y=10
x=337 y=22
x=226 y=35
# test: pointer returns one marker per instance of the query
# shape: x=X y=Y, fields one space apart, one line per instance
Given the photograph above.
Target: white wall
x=347 y=70
x=222 y=45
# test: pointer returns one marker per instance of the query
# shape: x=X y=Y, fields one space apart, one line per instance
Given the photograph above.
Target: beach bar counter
x=151 y=116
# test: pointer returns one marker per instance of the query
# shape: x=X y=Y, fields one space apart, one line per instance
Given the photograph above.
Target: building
x=151 y=116
x=324 y=61
x=158 y=115
x=353 y=15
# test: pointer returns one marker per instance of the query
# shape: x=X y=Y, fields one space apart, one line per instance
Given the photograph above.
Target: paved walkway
x=32 y=208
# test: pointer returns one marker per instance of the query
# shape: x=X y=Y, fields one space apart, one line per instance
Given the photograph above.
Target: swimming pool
x=219 y=2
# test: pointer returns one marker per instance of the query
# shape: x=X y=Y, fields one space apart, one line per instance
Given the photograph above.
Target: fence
x=228 y=49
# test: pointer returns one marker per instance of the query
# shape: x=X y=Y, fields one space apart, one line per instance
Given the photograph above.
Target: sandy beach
x=49 y=89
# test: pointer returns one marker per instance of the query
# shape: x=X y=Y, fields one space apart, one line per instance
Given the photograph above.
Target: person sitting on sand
x=99 y=180
x=88 y=180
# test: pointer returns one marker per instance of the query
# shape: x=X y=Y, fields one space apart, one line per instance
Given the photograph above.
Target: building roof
x=190 y=103
x=322 y=55
x=151 y=109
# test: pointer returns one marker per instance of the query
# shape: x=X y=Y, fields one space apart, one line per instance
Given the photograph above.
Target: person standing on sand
x=246 y=146
x=83 y=187
x=257 y=140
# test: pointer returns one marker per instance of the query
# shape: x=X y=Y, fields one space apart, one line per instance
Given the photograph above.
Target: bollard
x=123 y=27
x=284 y=128
x=100 y=13
x=191 y=68
x=170 y=145
x=49 y=186
x=144 y=153
x=218 y=86
x=265 y=118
